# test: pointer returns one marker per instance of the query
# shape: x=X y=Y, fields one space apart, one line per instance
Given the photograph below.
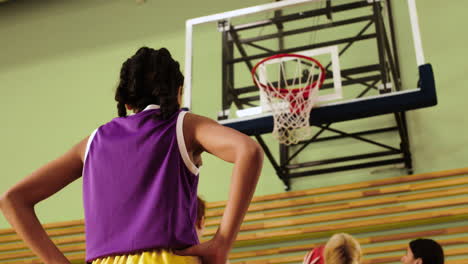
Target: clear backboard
x=371 y=50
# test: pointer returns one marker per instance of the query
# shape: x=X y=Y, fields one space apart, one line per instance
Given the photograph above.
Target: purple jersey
x=139 y=186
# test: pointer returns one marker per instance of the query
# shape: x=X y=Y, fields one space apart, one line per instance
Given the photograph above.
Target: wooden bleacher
x=384 y=215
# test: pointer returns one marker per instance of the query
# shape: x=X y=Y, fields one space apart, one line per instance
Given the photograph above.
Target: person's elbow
x=9 y=200
x=252 y=152
x=6 y=201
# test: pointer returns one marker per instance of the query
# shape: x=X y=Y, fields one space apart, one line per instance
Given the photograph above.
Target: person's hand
x=213 y=251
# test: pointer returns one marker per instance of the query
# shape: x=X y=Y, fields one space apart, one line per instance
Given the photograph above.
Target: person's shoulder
x=194 y=119
x=196 y=125
x=115 y=121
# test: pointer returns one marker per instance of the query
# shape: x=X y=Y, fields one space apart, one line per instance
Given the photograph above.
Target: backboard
x=371 y=50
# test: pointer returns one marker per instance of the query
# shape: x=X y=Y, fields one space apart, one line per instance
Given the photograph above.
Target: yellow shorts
x=149 y=257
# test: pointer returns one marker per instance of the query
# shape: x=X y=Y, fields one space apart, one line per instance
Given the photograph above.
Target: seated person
x=340 y=249
x=423 y=251
x=200 y=224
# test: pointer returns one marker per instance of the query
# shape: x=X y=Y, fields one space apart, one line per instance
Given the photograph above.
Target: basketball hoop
x=290 y=95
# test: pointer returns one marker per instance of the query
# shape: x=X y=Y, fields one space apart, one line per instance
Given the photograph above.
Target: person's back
x=140 y=178
x=161 y=212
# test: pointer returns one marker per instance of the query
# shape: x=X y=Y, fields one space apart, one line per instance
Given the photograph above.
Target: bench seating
x=384 y=215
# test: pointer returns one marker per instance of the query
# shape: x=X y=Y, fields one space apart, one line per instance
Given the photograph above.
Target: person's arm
x=247 y=156
x=17 y=204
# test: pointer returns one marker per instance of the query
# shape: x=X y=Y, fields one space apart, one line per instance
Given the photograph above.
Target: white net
x=290 y=85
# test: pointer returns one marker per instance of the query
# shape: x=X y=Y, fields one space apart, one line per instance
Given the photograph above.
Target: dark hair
x=149 y=77
x=428 y=250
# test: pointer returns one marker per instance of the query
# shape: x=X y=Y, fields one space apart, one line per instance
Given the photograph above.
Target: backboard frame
x=226 y=16
x=396 y=102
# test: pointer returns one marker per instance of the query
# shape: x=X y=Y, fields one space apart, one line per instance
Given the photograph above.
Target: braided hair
x=149 y=77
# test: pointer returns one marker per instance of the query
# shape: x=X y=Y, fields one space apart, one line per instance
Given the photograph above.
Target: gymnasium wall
x=59 y=64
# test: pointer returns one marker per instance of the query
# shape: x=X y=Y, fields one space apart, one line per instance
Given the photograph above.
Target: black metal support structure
x=375 y=76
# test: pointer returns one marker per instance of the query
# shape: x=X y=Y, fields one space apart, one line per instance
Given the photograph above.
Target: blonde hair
x=342 y=248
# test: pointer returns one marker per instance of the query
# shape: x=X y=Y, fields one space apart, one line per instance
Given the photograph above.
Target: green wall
x=59 y=64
